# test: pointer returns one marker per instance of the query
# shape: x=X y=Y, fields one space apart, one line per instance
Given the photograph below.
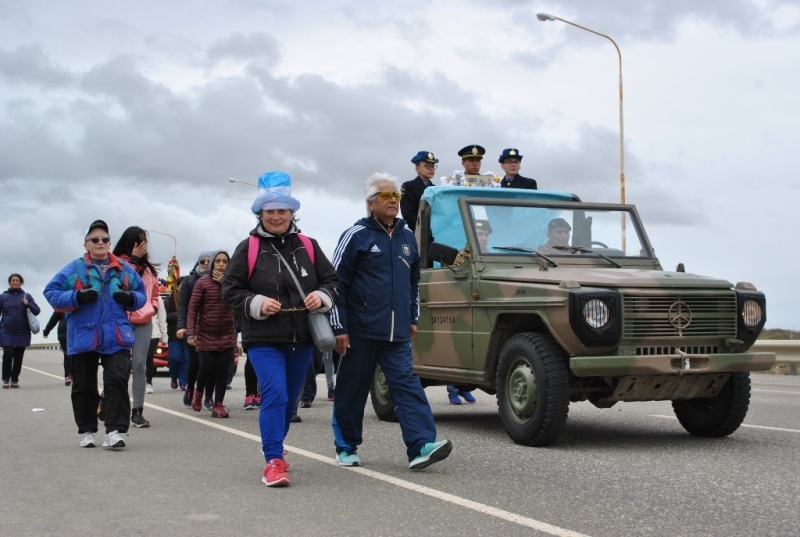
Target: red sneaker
x=275 y=474
x=219 y=411
x=197 y=400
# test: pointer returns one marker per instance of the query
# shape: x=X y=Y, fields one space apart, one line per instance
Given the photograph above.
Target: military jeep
x=542 y=323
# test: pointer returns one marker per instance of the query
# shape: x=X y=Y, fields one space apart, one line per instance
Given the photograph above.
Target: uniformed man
x=425 y=166
x=511 y=160
x=471 y=157
x=557 y=235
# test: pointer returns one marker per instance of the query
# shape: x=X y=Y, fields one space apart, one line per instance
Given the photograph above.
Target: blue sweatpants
x=353 y=381
x=178 y=360
x=281 y=370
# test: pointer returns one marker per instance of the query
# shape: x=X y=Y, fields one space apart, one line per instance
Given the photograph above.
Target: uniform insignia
x=474 y=150
x=512 y=152
x=303 y=272
x=375 y=249
x=406 y=250
x=430 y=156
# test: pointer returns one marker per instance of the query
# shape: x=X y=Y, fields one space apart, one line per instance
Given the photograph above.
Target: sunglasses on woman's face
x=97 y=240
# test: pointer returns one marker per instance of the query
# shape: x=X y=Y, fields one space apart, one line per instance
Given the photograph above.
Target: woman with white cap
x=259 y=285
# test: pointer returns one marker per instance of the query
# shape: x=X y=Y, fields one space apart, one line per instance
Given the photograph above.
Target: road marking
x=776 y=391
x=502 y=514
x=742 y=425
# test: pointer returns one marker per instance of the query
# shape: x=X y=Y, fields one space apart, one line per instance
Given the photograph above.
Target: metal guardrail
x=45 y=347
x=788 y=350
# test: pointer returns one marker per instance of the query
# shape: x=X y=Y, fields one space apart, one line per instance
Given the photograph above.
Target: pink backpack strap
x=252 y=254
x=254 y=243
x=309 y=247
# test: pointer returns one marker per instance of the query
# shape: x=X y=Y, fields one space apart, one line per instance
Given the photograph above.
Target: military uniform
x=412 y=191
x=517 y=181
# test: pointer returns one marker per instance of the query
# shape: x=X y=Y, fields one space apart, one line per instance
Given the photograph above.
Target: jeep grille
x=679 y=315
x=672 y=351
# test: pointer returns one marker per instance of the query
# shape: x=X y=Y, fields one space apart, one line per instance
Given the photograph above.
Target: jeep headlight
x=752 y=313
x=595 y=317
x=596 y=314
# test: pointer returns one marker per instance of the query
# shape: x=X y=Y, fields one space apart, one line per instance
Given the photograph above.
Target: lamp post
x=232 y=180
x=168 y=235
x=173 y=267
x=544 y=17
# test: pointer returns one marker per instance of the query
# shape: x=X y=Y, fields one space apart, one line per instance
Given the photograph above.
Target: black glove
x=87 y=296
x=124 y=298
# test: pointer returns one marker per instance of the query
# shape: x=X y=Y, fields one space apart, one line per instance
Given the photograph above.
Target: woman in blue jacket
x=15 y=332
x=99 y=289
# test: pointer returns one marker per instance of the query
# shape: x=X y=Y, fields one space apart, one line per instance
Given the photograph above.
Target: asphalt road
x=628 y=470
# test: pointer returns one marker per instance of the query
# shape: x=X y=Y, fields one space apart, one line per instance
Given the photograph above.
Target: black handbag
x=318 y=324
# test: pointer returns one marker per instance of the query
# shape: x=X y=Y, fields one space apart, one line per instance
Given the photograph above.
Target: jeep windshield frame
x=585 y=230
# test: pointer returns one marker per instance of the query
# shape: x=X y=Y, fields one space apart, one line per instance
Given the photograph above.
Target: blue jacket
x=14 y=328
x=378 y=282
x=101 y=326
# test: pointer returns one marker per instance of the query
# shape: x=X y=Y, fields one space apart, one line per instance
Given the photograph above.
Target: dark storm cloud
x=116 y=122
x=30 y=65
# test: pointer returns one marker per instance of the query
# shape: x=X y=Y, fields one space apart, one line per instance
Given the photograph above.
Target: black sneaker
x=305 y=404
x=296 y=419
x=137 y=419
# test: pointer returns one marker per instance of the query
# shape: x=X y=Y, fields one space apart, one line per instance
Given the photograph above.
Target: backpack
x=252 y=251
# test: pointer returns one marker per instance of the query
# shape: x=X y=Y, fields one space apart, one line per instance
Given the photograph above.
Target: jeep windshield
x=530 y=222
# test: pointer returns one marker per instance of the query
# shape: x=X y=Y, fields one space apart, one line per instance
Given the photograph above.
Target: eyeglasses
x=386 y=195
x=511 y=161
x=430 y=166
x=96 y=240
x=203 y=262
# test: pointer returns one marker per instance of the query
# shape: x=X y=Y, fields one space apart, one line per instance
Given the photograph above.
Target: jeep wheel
x=381 y=397
x=716 y=416
x=533 y=389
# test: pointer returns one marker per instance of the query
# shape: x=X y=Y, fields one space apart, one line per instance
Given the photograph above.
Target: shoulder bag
x=318 y=323
x=33 y=322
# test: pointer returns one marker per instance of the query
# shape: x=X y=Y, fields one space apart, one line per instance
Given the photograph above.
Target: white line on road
x=743 y=425
x=508 y=516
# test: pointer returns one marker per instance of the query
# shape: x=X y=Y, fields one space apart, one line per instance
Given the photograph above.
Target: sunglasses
x=386 y=195
x=97 y=240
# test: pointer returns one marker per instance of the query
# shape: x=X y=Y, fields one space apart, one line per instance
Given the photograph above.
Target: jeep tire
x=718 y=416
x=381 y=396
x=533 y=389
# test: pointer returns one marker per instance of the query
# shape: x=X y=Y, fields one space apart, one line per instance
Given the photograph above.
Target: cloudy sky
x=139 y=112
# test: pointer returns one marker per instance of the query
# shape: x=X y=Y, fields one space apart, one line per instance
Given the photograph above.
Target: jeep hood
x=603 y=277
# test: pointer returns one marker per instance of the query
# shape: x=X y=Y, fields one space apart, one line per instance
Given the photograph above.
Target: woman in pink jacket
x=211 y=329
x=132 y=247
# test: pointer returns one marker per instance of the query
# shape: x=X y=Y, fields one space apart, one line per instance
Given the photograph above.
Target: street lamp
x=173 y=267
x=544 y=17
x=232 y=180
x=168 y=235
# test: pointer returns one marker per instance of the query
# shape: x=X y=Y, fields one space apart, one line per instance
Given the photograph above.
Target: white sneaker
x=87 y=439
x=149 y=389
x=113 y=440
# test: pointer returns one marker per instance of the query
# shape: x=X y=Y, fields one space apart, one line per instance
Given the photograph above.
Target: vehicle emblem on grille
x=680 y=315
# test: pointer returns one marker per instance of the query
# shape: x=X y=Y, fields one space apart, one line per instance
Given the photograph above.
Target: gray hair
x=371 y=186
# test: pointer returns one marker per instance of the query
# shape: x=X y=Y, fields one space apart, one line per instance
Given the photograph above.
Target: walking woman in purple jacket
x=15 y=332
